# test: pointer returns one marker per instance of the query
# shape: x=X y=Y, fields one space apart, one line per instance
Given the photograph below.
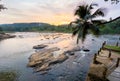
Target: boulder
x=4 y=36
x=44 y=59
x=39 y=46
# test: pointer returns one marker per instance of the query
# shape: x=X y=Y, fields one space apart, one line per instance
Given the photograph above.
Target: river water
x=14 y=54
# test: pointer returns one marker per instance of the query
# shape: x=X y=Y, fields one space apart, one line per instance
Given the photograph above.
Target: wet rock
x=39 y=46
x=86 y=50
x=93 y=39
x=20 y=36
x=47 y=38
x=44 y=67
x=69 y=53
x=72 y=51
x=5 y=36
x=76 y=49
x=43 y=59
x=61 y=58
x=43 y=73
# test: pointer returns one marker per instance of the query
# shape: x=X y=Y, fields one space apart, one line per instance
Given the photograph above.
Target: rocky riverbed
x=72 y=64
x=43 y=59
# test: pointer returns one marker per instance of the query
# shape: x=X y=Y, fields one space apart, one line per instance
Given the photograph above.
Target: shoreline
x=5 y=36
x=76 y=65
x=98 y=71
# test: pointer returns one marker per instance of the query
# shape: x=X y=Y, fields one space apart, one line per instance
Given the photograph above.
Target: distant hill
x=41 y=27
x=26 y=26
x=110 y=28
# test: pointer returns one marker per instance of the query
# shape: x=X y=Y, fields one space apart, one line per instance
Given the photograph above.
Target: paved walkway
x=115 y=75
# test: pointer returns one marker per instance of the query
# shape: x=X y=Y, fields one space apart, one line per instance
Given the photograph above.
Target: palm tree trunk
x=110 y=21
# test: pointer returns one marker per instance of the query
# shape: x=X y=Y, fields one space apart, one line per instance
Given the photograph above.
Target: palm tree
x=86 y=22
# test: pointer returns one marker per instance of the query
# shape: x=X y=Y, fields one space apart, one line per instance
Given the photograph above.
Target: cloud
x=49 y=11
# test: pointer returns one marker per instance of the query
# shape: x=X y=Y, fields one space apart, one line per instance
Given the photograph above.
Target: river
x=14 y=54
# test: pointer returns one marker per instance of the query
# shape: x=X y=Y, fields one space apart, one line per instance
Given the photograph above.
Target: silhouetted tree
x=0 y=29
x=85 y=23
x=113 y=1
x=2 y=7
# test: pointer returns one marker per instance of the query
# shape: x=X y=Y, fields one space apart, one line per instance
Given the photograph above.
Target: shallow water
x=14 y=54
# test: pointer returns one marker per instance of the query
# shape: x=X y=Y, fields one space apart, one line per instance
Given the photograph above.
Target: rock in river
x=43 y=59
x=5 y=36
x=39 y=46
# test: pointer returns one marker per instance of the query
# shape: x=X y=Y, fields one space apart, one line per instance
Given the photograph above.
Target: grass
x=93 y=77
x=113 y=48
x=8 y=76
x=96 y=73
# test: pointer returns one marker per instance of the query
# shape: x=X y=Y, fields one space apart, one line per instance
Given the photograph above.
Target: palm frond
x=99 y=12
x=94 y=30
x=82 y=11
x=93 y=4
x=76 y=22
x=76 y=29
x=87 y=17
x=98 y=21
x=75 y=32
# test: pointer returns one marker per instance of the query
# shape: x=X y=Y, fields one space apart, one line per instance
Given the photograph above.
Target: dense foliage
x=111 y=28
x=41 y=27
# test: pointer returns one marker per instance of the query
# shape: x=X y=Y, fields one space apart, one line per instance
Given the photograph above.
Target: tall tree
x=0 y=29
x=2 y=7
x=86 y=22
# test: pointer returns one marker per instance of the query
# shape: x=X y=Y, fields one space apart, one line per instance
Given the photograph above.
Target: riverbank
x=74 y=68
x=100 y=70
x=8 y=76
x=5 y=36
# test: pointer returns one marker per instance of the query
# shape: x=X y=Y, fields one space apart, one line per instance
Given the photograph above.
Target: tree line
x=109 y=28
x=33 y=27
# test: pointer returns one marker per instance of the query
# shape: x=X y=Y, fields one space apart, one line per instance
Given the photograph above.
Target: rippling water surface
x=14 y=54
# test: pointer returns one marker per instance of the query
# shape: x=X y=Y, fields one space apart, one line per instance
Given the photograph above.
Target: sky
x=54 y=12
